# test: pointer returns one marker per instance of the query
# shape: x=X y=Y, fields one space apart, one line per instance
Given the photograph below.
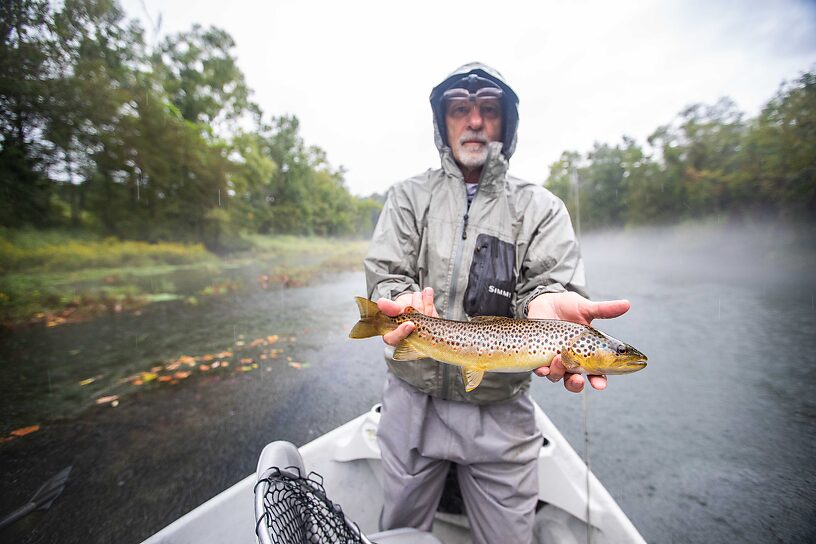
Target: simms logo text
x=498 y=291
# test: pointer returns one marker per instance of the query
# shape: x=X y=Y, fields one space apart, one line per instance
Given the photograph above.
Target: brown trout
x=500 y=344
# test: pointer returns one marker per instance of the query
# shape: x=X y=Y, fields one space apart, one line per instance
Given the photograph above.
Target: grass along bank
x=56 y=277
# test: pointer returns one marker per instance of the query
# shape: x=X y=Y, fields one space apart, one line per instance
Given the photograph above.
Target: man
x=465 y=240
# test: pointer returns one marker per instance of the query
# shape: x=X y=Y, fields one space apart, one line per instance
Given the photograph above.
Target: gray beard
x=471 y=159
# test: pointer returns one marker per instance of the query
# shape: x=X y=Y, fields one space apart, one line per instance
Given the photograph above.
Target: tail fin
x=370 y=319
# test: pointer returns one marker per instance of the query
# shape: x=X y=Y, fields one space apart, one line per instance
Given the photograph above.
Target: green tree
x=202 y=78
x=98 y=57
x=25 y=67
x=780 y=169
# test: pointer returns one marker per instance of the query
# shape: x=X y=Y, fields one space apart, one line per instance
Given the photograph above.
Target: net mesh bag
x=292 y=509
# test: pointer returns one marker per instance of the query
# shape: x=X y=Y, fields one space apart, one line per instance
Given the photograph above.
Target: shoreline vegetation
x=53 y=277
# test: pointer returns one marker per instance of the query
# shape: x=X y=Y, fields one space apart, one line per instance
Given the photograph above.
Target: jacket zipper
x=457 y=262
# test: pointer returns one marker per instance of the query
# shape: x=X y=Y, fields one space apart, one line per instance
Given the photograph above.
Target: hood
x=510 y=106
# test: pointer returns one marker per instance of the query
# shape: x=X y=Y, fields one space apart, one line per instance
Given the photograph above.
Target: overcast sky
x=358 y=74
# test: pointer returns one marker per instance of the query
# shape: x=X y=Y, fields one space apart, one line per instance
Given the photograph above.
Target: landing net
x=292 y=509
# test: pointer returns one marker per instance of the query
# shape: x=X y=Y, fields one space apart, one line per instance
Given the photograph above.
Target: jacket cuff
x=397 y=291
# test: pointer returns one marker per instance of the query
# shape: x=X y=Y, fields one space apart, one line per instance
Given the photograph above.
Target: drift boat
x=348 y=459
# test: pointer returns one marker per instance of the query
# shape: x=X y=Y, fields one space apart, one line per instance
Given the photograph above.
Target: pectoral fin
x=406 y=352
x=472 y=378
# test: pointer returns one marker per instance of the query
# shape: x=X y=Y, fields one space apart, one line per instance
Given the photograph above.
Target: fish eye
x=621 y=349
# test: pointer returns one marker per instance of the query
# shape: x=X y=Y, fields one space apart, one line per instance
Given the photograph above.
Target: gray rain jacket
x=514 y=242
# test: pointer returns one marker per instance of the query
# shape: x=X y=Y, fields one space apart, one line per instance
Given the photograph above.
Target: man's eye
x=490 y=110
x=458 y=110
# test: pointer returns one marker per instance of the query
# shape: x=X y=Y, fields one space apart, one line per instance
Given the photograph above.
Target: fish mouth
x=636 y=364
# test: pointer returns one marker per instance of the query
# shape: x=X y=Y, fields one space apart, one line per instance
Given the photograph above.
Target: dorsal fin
x=472 y=378
x=406 y=352
x=486 y=318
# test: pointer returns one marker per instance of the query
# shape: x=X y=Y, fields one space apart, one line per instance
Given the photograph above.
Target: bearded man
x=462 y=241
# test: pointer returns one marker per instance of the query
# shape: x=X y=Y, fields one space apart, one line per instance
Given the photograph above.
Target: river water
x=713 y=442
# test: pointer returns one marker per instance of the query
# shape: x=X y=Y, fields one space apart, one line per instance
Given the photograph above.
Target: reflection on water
x=712 y=442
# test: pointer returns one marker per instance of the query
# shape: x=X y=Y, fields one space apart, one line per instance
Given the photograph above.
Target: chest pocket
x=492 y=278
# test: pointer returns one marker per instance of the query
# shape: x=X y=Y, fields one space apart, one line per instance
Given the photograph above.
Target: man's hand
x=422 y=302
x=572 y=307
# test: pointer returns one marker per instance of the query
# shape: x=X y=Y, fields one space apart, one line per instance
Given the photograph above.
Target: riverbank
x=55 y=278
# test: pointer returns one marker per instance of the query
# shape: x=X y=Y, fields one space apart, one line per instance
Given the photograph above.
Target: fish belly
x=485 y=360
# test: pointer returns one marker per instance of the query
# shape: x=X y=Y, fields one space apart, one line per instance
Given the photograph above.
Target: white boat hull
x=348 y=458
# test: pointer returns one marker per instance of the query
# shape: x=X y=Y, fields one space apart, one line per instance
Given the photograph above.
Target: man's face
x=472 y=121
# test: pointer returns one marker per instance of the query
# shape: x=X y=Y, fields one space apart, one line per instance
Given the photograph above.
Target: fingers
x=606 y=309
x=597 y=382
x=399 y=334
x=391 y=308
x=574 y=383
x=556 y=369
x=428 y=302
x=423 y=302
x=417 y=303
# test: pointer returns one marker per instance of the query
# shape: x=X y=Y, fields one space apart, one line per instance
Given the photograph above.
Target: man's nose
x=475 y=120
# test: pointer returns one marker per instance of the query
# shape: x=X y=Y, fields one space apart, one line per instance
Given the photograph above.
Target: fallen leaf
x=181 y=374
x=257 y=342
x=224 y=363
x=138 y=382
x=216 y=364
x=115 y=403
x=173 y=366
x=156 y=369
x=239 y=343
x=4 y=439
x=187 y=360
x=165 y=378
x=87 y=381
x=149 y=376
x=105 y=400
x=272 y=339
x=25 y=430
x=129 y=378
x=246 y=360
x=203 y=368
x=296 y=365
x=208 y=357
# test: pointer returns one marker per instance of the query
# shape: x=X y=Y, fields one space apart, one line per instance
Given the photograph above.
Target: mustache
x=472 y=136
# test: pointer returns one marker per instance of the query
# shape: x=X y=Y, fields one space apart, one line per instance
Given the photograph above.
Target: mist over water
x=714 y=440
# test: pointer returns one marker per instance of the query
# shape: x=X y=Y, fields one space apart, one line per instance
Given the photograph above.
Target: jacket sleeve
x=552 y=263
x=391 y=263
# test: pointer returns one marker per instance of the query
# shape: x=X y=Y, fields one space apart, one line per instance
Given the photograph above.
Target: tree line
x=710 y=160
x=101 y=131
